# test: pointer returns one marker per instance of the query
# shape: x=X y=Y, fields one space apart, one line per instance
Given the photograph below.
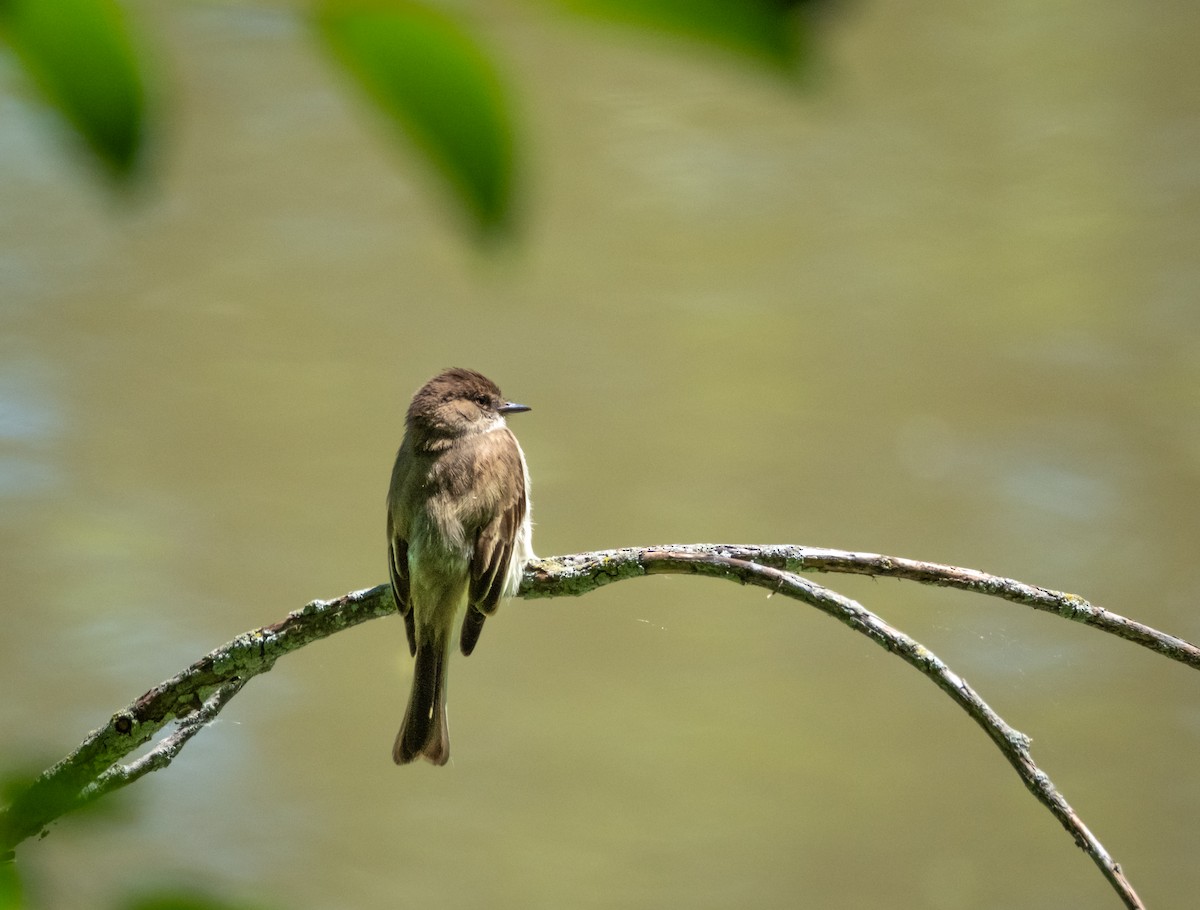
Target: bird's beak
x=511 y=407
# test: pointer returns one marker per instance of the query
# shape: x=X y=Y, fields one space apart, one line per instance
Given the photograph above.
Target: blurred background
x=939 y=301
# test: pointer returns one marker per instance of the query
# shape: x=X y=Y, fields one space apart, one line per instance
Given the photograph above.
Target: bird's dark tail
x=424 y=733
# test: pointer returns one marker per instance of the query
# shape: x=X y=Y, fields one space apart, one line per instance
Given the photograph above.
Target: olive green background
x=944 y=302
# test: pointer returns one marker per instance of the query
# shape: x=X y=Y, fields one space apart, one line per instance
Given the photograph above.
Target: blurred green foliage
x=180 y=899
x=764 y=30
x=430 y=78
x=10 y=885
x=80 y=55
x=15 y=788
x=420 y=67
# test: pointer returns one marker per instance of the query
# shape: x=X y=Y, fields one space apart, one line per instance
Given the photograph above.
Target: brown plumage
x=458 y=533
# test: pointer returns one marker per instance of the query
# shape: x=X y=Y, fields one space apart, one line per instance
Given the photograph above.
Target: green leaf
x=765 y=30
x=80 y=55
x=10 y=885
x=434 y=81
x=182 y=899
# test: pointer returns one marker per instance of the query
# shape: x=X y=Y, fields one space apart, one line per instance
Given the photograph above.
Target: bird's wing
x=494 y=539
x=398 y=569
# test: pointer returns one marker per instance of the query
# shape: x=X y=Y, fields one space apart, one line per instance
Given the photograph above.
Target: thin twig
x=582 y=572
x=164 y=753
x=1013 y=744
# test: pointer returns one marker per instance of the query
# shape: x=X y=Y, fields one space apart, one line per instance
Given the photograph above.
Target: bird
x=459 y=536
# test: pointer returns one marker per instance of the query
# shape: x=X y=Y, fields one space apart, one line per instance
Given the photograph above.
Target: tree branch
x=1013 y=744
x=579 y=573
x=196 y=696
x=85 y=773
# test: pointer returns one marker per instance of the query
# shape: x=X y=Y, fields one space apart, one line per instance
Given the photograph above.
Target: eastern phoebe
x=459 y=534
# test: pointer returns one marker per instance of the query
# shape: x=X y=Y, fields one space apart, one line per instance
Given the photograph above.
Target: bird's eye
x=482 y=400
